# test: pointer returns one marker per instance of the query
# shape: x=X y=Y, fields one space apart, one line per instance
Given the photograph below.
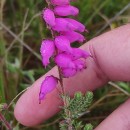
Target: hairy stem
x=67 y=112
x=5 y=122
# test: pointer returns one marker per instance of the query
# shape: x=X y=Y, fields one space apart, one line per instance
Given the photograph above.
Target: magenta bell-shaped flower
x=73 y=36
x=79 y=53
x=63 y=25
x=66 y=10
x=80 y=64
x=49 y=17
x=63 y=44
x=68 y=72
x=64 y=61
x=48 y=85
x=68 y=24
x=60 y=2
x=79 y=26
x=64 y=31
x=47 y=50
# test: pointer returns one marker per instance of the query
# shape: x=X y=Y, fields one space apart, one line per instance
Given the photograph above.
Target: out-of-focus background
x=21 y=32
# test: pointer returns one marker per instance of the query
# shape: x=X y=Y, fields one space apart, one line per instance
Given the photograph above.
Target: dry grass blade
x=24 y=29
x=119 y=88
x=20 y=41
x=113 y=19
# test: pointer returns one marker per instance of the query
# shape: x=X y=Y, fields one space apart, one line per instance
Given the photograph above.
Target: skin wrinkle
x=99 y=72
x=117 y=36
x=93 y=51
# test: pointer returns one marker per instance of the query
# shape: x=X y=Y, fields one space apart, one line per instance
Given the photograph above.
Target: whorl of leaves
x=80 y=103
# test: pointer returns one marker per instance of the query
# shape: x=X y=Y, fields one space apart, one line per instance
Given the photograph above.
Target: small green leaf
x=78 y=95
x=88 y=127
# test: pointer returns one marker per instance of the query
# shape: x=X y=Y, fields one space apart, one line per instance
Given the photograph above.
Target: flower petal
x=66 y=10
x=49 y=17
x=60 y=2
x=47 y=49
x=48 y=85
x=63 y=25
x=79 y=53
x=80 y=64
x=68 y=72
x=63 y=44
x=73 y=36
x=79 y=26
x=64 y=61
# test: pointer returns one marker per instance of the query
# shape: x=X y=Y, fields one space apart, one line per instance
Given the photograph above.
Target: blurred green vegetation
x=21 y=32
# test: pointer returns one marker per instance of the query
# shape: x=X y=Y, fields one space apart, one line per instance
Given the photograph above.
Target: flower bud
x=63 y=25
x=73 y=36
x=47 y=49
x=49 y=17
x=79 y=26
x=67 y=72
x=48 y=85
x=60 y=2
x=64 y=61
x=66 y=10
x=79 y=53
x=80 y=64
x=63 y=44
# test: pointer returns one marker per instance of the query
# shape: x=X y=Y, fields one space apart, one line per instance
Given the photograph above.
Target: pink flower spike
x=79 y=53
x=79 y=26
x=47 y=49
x=80 y=64
x=49 y=17
x=64 y=61
x=66 y=10
x=73 y=36
x=68 y=72
x=63 y=25
x=63 y=44
x=48 y=85
x=60 y=2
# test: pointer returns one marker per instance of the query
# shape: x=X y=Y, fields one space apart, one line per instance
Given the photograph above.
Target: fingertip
x=23 y=112
x=118 y=120
x=29 y=112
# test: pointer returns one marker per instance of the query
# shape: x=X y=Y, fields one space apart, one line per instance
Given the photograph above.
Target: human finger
x=99 y=70
x=118 y=120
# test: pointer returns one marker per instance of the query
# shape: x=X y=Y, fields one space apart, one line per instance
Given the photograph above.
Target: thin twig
x=22 y=38
x=2 y=3
x=25 y=28
x=113 y=19
x=102 y=98
x=94 y=118
x=45 y=125
x=17 y=97
x=5 y=122
x=105 y=18
x=119 y=88
x=20 y=41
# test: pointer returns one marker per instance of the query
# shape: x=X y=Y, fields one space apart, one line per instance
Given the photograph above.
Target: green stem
x=2 y=91
x=2 y=53
x=22 y=38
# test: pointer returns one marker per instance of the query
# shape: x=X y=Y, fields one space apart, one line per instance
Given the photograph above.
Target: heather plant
x=21 y=30
x=69 y=60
